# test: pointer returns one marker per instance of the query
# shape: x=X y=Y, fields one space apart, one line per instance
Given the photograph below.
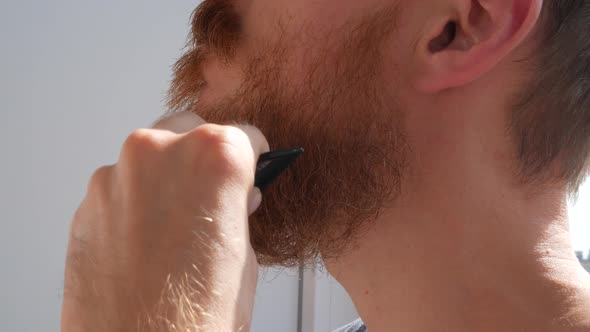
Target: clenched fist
x=160 y=242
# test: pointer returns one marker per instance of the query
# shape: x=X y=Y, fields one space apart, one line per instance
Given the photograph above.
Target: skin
x=148 y=251
x=468 y=246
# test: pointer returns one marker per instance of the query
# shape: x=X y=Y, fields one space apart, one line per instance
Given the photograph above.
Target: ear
x=468 y=38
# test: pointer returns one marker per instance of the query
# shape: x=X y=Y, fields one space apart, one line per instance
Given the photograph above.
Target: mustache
x=216 y=26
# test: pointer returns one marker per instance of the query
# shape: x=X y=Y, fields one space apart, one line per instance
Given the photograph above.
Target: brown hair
x=551 y=121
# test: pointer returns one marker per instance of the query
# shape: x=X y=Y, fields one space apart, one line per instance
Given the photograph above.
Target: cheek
x=265 y=20
x=312 y=35
x=300 y=29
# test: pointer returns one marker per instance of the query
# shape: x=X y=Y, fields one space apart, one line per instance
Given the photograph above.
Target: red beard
x=351 y=131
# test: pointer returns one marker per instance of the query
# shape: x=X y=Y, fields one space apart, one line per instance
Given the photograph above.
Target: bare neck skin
x=466 y=247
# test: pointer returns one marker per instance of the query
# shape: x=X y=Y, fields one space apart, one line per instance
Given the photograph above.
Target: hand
x=160 y=242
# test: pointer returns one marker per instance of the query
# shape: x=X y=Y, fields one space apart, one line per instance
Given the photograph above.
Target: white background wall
x=76 y=77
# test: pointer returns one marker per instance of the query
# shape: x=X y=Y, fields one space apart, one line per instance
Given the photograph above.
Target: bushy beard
x=338 y=111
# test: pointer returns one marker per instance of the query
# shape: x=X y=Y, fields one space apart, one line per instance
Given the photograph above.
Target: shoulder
x=356 y=326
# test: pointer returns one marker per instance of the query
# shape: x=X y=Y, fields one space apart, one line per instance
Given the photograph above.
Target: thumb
x=259 y=146
x=179 y=122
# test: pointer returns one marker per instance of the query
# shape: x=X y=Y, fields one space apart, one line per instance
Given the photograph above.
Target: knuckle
x=223 y=149
x=143 y=141
x=99 y=184
x=215 y=135
x=100 y=178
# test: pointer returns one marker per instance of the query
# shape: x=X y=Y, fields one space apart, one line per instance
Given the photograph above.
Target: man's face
x=311 y=74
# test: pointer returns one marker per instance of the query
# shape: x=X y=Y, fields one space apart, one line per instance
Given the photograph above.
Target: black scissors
x=271 y=164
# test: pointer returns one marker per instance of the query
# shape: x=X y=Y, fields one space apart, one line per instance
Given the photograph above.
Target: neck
x=466 y=250
x=466 y=276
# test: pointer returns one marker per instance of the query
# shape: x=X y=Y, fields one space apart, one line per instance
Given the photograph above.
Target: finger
x=254 y=200
x=259 y=146
x=179 y=122
x=257 y=140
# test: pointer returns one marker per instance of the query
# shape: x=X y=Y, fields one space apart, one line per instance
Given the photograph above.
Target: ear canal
x=444 y=39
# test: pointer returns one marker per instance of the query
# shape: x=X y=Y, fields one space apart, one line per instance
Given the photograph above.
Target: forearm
x=188 y=304
x=176 y=312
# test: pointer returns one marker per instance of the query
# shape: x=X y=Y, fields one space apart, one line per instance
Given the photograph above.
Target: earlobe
x=471 y=39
